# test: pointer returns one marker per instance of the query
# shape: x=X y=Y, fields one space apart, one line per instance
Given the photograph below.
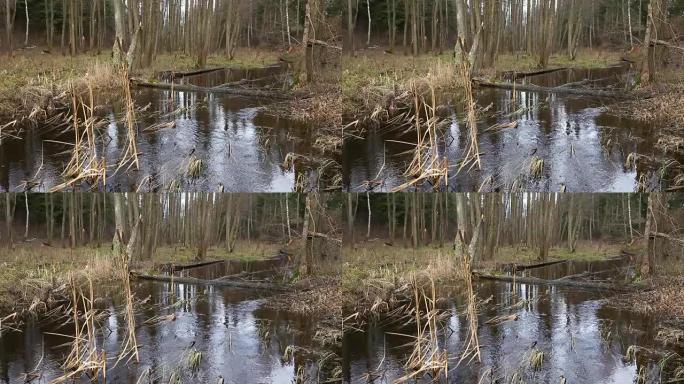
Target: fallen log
x=516 y=267
x=559 y=89
x=241 y=82
x=567 y=283
x=220 y=283
x=324 y=236
x=324 y=44
x=181 y=74
x=667 y=237
x=173 y=267
x=518 y=75
x=231 y=91
x=666 y=44
x=242 y=274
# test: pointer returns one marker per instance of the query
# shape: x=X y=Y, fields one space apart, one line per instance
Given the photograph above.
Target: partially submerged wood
x=181 y=74
x=516 y=267
x=559 y=89
x=218 y=282
x=173 y=267
x=518 y=75
x=180 y=267
x=223 y=90
x=560 y=282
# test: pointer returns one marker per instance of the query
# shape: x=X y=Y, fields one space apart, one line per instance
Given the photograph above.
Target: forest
x=524 y=287
x=341 y=191
x=236 y=266
x=198 y=76
x=512 y=95
x=341 y=287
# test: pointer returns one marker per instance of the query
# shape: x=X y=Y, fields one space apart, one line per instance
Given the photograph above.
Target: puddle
x=584 y=149
x=583 y=338
x=242 y=148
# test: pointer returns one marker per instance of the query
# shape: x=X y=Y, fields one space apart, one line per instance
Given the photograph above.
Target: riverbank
x=44 y=272
x=664 y=299
x=36 y=279
x=379 y=277
x=373 y=79
x=660 y=104
x=32 y=81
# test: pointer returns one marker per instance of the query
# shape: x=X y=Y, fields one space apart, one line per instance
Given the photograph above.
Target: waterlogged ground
x=240 y=340
x=584 y=149
x=240 y=147
x=584 y=339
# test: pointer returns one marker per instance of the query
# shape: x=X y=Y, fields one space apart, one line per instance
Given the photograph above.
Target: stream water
x=584 y=339
x=584 y=148
x=242 y=149
x=240 y=339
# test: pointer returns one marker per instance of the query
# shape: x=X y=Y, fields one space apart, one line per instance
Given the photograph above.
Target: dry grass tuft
x=33 y=84
x=370 y=77
x=536 y=167
x=666 y=299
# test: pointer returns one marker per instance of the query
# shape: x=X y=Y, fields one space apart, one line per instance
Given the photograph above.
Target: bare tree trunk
x=648 y=61
x=350 y=26
x=287 y=215
x=120 y=35
x=26 y=227
x=369 y=215
x=369 y=22
x=10 y=10
x=8 y=220
x=629 y=23
x=648 y=257
x=287 y=22
x=308 y=48
x=73 y=48
x=414 y=28
x=26 y=8
x=305 y=267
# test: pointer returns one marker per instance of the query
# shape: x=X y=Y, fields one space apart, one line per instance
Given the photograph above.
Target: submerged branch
x=222 y=283
x=561 y=282
x=559 y=89
x=232 y=91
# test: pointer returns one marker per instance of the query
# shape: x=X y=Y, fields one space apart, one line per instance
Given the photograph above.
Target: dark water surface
x=242 y=148
x=239 y=339
x=583 y=338
x=584 y=148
